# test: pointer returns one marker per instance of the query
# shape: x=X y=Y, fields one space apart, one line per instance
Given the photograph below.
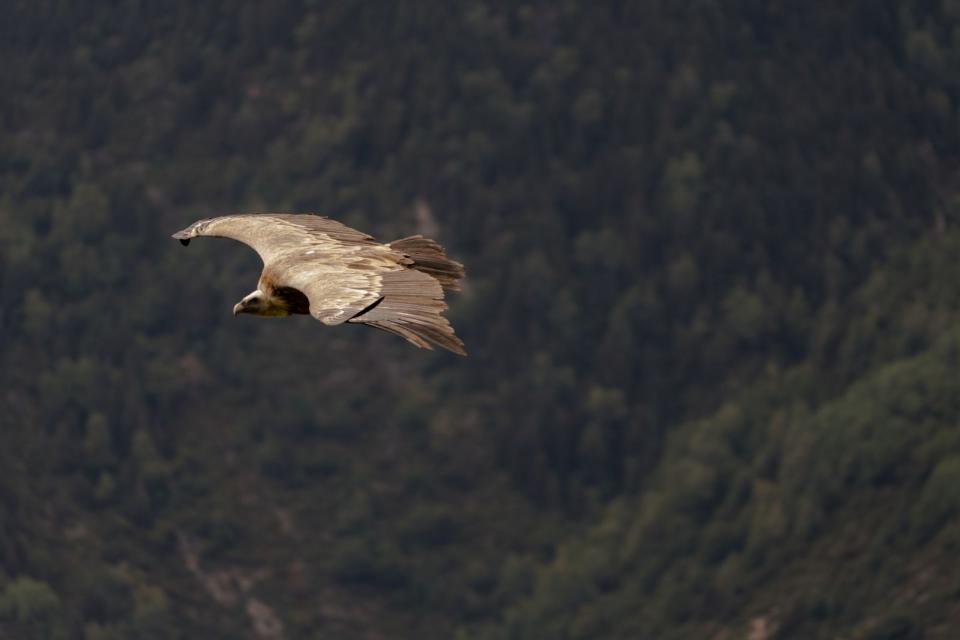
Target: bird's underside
x=337 y=274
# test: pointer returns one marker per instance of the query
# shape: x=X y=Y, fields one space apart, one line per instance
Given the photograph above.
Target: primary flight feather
x=318 y=266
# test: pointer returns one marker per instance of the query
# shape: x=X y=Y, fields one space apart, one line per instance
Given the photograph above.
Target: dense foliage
x=712 y=311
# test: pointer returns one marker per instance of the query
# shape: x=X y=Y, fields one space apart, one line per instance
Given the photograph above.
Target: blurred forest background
x=712 y=307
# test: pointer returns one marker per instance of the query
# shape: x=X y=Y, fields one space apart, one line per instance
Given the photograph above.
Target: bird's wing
x=411 y=307
x=339 y=269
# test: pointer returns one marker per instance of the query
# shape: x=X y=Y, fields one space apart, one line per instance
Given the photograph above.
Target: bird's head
x=254 y=303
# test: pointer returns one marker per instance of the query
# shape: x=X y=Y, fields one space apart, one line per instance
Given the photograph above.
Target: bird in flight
x=318 y=266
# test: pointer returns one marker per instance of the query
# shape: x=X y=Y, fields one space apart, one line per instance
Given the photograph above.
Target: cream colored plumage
x=319 y=266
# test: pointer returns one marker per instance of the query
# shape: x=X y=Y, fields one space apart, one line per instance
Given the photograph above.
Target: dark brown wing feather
x=411 y=307
x=430 y=258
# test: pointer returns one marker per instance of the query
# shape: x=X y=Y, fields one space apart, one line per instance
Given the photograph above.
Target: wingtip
x=183 y=236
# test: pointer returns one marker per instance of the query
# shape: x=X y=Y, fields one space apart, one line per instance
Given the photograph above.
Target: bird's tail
x=428 y=257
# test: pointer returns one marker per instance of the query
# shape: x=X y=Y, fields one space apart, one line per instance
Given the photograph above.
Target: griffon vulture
x=315 y=265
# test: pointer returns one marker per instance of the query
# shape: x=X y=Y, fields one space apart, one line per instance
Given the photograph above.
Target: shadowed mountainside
x=711 y=306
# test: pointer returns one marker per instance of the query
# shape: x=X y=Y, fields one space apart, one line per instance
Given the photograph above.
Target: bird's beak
x=237 y=308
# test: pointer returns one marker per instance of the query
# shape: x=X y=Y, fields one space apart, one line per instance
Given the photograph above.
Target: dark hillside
x=712 y=311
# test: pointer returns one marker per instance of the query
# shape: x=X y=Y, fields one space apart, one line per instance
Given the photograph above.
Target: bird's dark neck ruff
x=292 y=298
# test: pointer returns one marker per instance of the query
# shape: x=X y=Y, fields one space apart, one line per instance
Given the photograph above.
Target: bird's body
x=315 y=265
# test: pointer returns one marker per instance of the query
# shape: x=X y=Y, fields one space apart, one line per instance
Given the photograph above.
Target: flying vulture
x=315 y=265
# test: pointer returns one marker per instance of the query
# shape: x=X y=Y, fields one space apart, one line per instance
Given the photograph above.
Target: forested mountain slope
x=711 y=306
